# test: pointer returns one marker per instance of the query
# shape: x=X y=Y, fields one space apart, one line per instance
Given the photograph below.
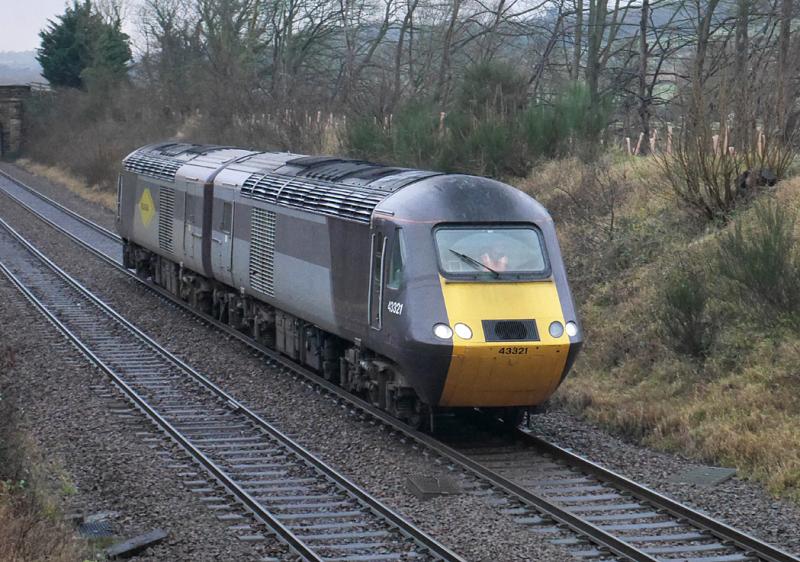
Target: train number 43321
x=513 y=350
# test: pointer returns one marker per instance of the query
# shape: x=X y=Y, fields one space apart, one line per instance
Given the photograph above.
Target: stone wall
x=11 y=117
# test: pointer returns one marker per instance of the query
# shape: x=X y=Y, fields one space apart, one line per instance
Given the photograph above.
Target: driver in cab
x=494 y=259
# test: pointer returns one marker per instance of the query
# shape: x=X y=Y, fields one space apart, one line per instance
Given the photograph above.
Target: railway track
x=315 y=510
x=654 y=524
x=609 y=516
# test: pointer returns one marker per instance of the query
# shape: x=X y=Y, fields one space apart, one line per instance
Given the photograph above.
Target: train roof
x=333 y=186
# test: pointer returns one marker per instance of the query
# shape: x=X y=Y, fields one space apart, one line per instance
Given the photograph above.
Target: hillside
x=691 y=327
x=19 y=67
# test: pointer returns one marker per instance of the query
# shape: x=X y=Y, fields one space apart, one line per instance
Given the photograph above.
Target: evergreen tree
x=80 y=45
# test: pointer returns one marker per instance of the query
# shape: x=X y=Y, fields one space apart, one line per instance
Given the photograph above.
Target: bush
x=494 y=88
x=417 y=138
x=570 y=125
x=365 y=138
x=490 y=146
x=775 y=155
x=415 y=135
x=703 y=179
x=762 y=260
x=684 y=314
x=90 y=132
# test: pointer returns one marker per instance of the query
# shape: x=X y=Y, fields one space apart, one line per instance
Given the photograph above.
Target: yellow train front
x=475 y=308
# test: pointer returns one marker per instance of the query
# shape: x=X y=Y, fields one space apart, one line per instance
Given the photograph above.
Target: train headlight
x=556 y=329
x=572 y=329
x=442 y=331
x=463 y=331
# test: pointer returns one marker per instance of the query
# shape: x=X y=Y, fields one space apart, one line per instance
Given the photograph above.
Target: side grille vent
x=316 y=196
x=510 y=330
x=154 y=166
x=262 y=251
x=166 y=212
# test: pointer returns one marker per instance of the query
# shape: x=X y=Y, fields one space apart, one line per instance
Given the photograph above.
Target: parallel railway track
x=611 y=517
x=315 y=510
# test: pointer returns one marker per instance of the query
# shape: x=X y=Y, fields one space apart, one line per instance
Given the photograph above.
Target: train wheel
x=418 y=416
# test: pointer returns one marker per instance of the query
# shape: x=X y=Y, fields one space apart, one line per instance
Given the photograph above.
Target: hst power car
x=417 y=290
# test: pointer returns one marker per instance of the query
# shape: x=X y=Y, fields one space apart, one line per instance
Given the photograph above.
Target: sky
x=21 y=21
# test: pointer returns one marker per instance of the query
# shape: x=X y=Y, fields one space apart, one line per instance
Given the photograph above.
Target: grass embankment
x=31 y=525
x=59 y=175
x=692 y=327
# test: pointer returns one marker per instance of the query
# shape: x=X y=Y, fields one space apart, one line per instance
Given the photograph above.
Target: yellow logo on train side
x=147 y=209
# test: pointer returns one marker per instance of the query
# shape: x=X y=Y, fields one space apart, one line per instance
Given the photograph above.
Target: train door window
x=376 y=280
x=188 y=205
x=227 y=217
x=396 y=261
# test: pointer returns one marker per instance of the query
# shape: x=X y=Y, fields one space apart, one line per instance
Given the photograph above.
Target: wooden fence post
x=639 y=144
x=669 y=139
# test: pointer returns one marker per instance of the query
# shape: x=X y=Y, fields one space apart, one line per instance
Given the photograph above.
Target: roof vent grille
x=325 y=198
x=153 y=166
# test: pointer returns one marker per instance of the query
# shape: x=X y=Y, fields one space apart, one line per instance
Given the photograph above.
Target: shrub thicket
x=489 y=131
x=713 y=182
x=762 y=260
x=684 y=312
x=89 y=132
x=703 y=179
x=494 y=88
x=568 y=125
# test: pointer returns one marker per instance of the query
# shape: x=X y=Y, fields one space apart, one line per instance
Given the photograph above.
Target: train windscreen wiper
x=472 y=261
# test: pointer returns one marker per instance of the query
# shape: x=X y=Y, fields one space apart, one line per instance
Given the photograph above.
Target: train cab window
x=396 y=265
x=492 y=252
x=227 y=218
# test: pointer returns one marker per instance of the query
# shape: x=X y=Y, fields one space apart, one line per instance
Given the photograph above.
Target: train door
x=222 y=242
x=378 y=249
x=192 y=224
x=393 y=287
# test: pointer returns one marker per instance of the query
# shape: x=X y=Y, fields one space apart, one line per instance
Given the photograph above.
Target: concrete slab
x=133 y=546
x=705 y=476
x=426 y=487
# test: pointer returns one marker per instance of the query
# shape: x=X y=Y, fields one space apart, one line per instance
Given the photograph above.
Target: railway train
x=420 y=291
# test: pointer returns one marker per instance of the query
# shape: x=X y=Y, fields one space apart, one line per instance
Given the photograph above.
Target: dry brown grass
x=61 y=176
x=28 y=534
x=31 y=526
x=740 y=405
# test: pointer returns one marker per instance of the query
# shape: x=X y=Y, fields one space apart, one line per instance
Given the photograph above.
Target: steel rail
x=602 y=539
x=725 y=532
x=49 y=200
x=295 y=543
